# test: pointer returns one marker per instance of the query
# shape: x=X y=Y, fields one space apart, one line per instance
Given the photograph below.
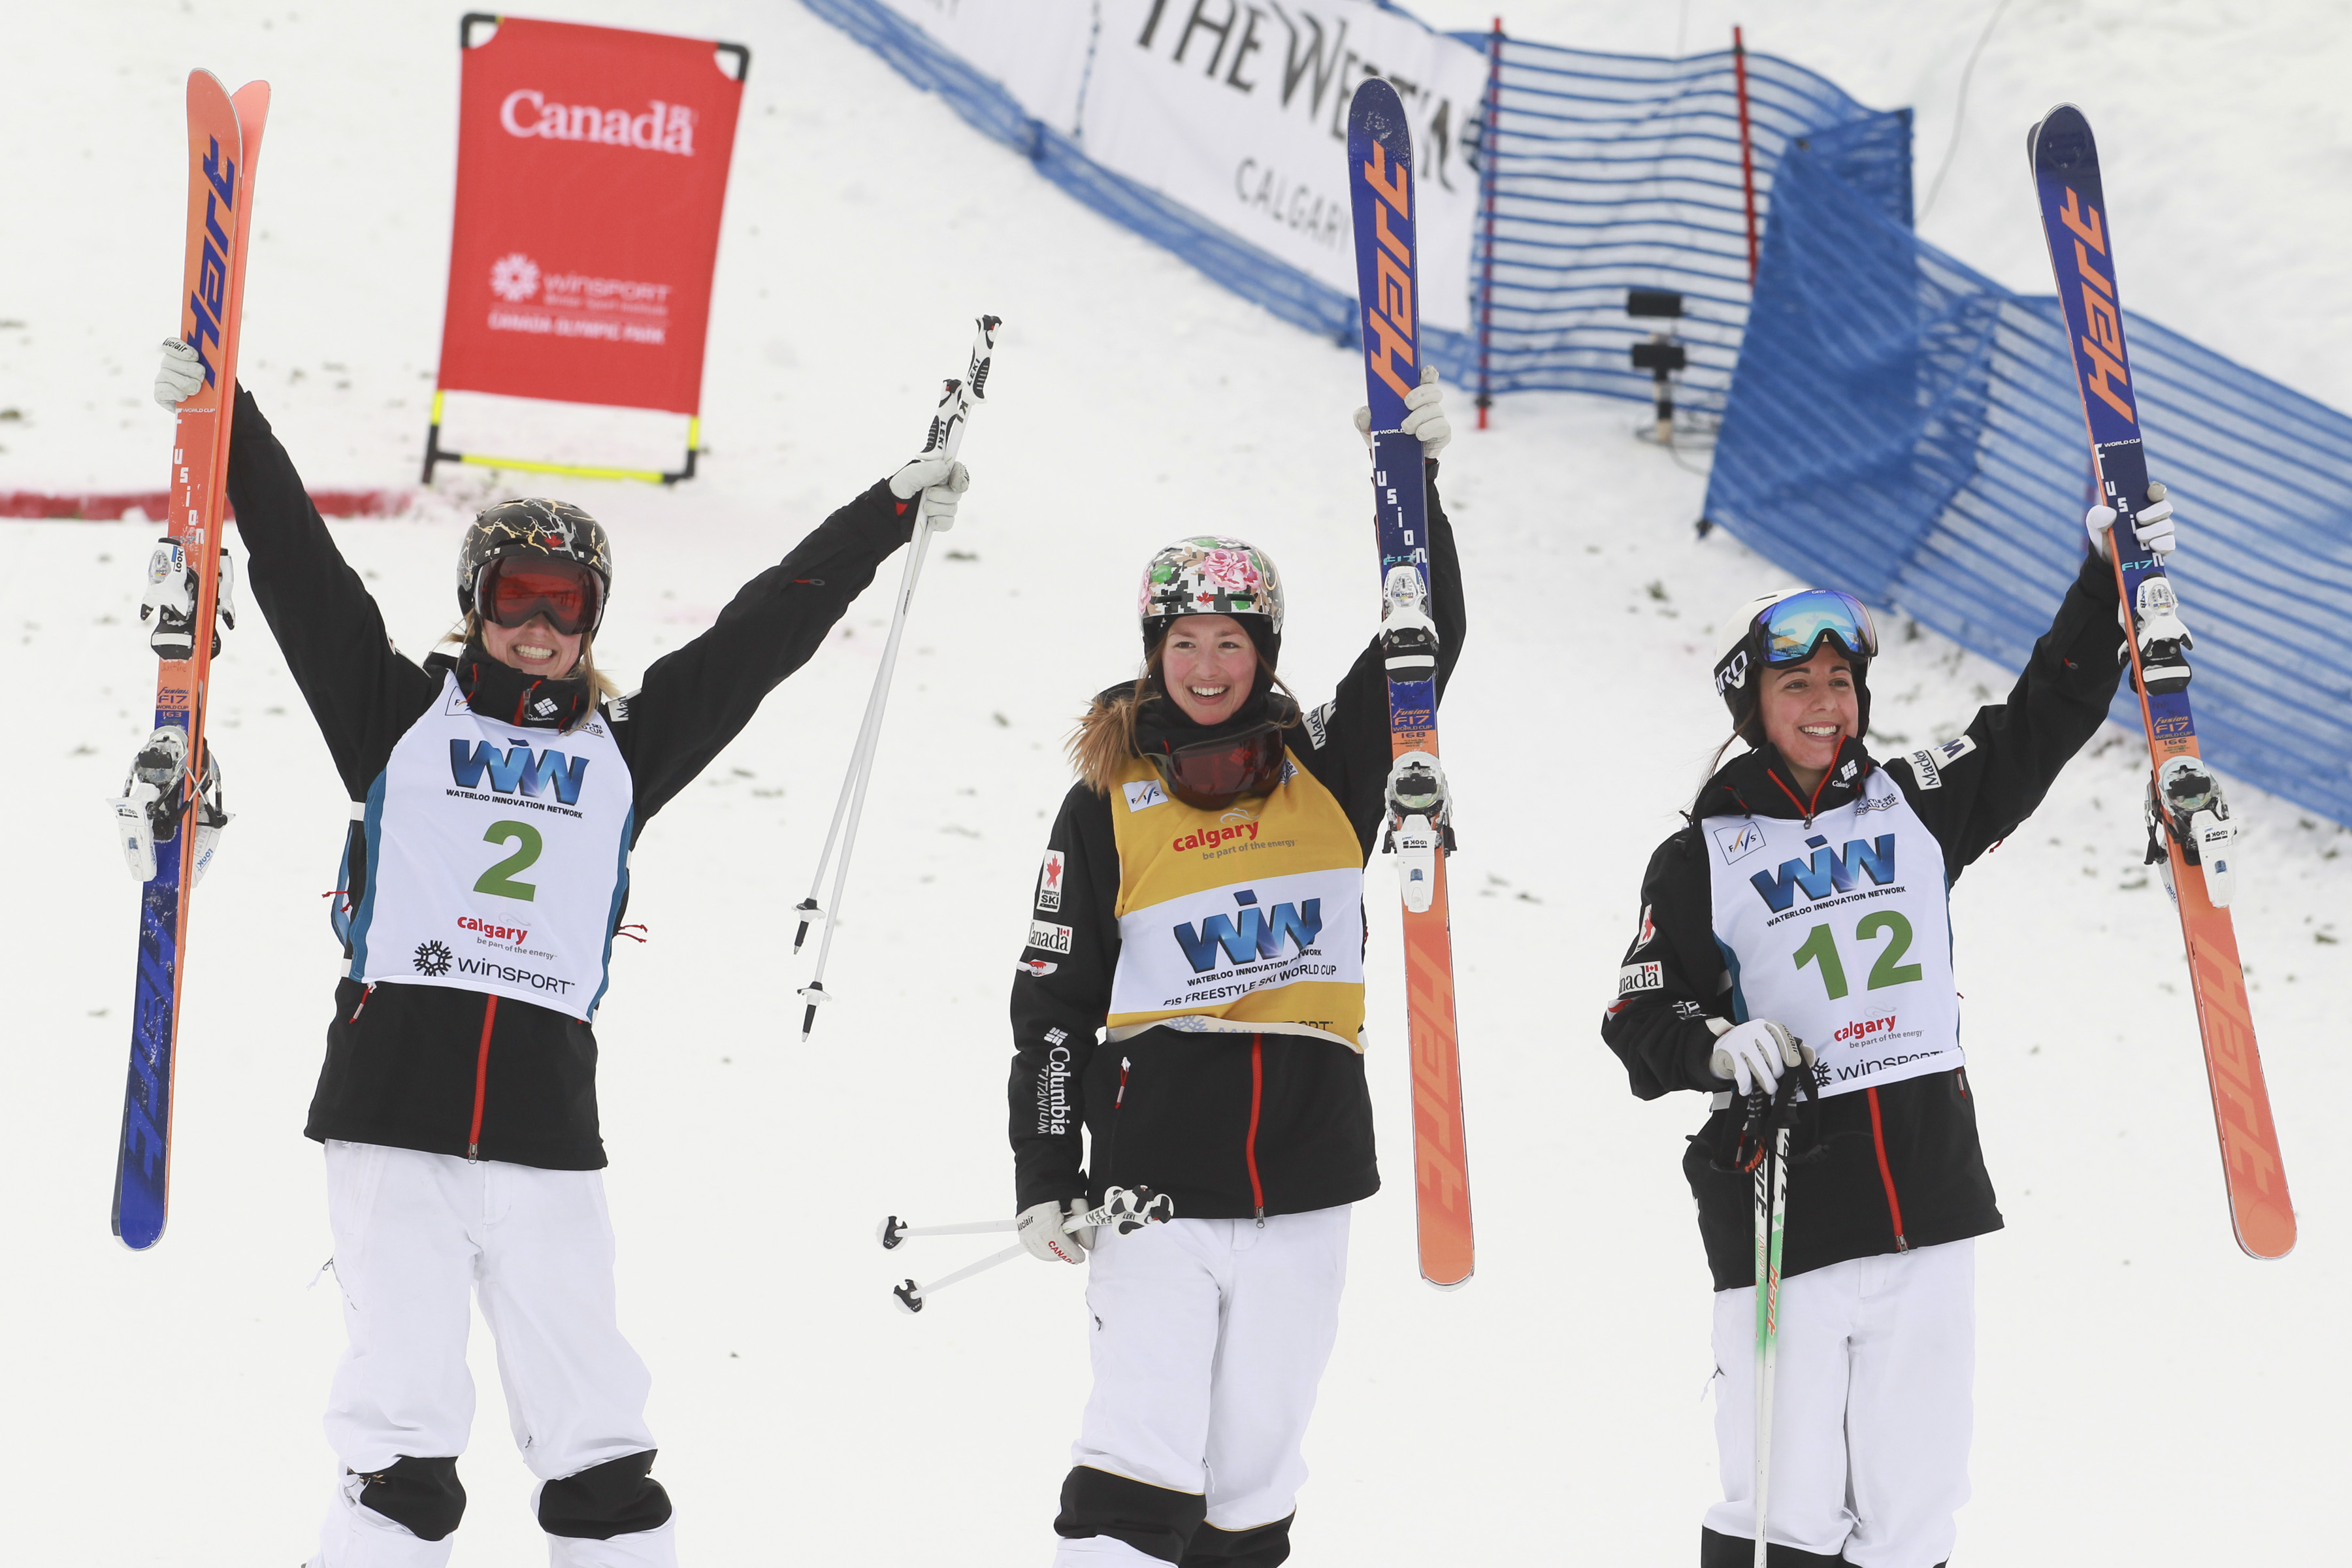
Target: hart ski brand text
x=518 y=771
x=1253 y=933
x=2103 y=336
x=209 y=299
x=1388 y=315
x=663 y=128
x=1827 y=872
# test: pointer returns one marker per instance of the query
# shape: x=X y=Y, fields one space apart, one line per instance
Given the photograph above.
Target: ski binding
x=2185 y=803
x=1407 y=633
x=155 y=797
x=2163 y=637
x=1419 y=825
x=171 y=599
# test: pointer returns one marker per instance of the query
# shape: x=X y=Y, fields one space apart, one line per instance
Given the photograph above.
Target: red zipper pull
x=367 y=992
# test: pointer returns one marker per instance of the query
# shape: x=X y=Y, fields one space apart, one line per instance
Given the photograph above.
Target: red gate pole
x=1747 y=147
x=1487 y=273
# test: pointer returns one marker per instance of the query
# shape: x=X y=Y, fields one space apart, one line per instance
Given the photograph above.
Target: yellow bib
x=1248 y=920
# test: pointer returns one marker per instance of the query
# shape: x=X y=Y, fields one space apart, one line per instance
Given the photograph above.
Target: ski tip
x=1448 y=1286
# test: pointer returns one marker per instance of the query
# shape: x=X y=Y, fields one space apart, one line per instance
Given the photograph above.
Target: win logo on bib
x=518 y=771
x=1829 y=871
x=1251 y=934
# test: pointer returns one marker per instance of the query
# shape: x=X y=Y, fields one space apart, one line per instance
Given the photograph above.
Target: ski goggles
x=513 y=590
x=1213 y=774
x=1791 y=630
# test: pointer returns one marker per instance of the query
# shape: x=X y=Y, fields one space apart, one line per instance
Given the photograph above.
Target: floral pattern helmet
x=1210 y=576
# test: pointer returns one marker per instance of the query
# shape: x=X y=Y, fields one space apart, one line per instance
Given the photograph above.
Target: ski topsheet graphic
x=170 y=813
x=2191 y=833
x=1379 y=181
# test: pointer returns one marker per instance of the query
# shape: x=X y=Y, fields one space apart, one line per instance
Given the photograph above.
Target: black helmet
x=534 y=529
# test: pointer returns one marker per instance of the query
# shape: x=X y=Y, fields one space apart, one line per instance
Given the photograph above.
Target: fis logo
x=518 y=770
x=1827 y=872
x=2103 y=334
x=1739 y=841
x=210 y=298
x=1253 y=934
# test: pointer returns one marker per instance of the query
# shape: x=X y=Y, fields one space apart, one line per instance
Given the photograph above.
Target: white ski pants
x=1209 y=1336
x=416 y=1235
x=1872 y=1408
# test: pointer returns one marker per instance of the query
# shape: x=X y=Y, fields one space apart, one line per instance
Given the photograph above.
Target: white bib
x=1842 y=930
x=498 y=857
x=1206 y=949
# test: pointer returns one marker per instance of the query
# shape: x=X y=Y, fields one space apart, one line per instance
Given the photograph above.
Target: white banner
x=1238 y=110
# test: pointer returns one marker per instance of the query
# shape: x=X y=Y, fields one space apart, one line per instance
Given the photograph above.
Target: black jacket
x=1172 y=1112
x=401 y=1065
x=1909 y=1147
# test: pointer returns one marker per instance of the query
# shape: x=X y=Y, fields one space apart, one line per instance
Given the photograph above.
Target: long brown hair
x=602 y=687
x=1104 y=743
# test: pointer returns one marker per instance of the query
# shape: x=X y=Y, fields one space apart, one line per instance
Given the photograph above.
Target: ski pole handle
x=1124 y=1210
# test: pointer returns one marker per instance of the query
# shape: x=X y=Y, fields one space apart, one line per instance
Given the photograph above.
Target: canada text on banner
x=1238 y=110
x=592 y=168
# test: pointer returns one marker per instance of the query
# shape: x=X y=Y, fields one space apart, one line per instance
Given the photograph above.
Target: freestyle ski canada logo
x=663 y=128
x=210 y=296
x=514 y=278
x=2102 y=338
x=1827 y=872
x=1252 y=934
x=518 y=770
x=1049 y=883
x=433 y=959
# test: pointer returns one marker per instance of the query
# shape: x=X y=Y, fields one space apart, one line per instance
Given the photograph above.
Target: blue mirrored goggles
x=1794 y=627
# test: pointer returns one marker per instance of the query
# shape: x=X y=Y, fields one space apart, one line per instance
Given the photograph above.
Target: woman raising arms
x=1800 y=922
x=1192 y=997
x=496 y=791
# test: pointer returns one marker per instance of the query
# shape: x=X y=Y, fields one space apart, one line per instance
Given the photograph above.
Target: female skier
x=496 y=793
x=1201 y=903
x=1800 y=923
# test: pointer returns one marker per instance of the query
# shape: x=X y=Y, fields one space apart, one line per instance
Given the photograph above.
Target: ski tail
x=2064 y=159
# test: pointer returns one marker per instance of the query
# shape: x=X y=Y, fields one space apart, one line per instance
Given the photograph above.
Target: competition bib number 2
x=498 y=880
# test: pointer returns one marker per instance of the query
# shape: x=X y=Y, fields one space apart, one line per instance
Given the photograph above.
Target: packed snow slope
x=2146 y=1395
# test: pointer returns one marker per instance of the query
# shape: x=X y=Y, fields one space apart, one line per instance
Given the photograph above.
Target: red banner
x=591 y=167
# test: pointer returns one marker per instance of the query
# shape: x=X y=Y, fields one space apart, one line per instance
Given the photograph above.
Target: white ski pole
x=1123 y=1211
x=945 y=439
x=1768 y=1222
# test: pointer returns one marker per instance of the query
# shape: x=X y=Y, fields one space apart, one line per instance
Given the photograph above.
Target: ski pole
x=945 y=439
x=1124 y=1211
x=1770 y=1219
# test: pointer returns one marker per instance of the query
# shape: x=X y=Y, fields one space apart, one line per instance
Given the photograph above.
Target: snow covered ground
x=2145 y=1393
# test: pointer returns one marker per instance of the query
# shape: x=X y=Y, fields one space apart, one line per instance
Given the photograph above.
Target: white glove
x=180 y=376
x=941 y=480
x=1424 y=415
x=2153 y=525
x=1040 y=1229
x=1753 y=1054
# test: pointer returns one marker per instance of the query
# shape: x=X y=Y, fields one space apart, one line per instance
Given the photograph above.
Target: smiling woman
x=1187 y=1022
x=498 y=790
x=1799 y=929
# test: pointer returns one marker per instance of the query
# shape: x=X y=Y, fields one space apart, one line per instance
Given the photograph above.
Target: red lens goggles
x=1213 y=774
x=511 y=591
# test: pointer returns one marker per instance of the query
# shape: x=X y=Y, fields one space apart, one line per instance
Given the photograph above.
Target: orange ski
x=174 y=791
x=2189 y=828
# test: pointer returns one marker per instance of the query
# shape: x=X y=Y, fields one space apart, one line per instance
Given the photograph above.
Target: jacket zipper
x=1885 y=1172
x=1257 y=1098
x=482 y=1079
x=366 y=993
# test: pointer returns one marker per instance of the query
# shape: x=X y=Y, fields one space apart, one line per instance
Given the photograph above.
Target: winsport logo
x=514 y=278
